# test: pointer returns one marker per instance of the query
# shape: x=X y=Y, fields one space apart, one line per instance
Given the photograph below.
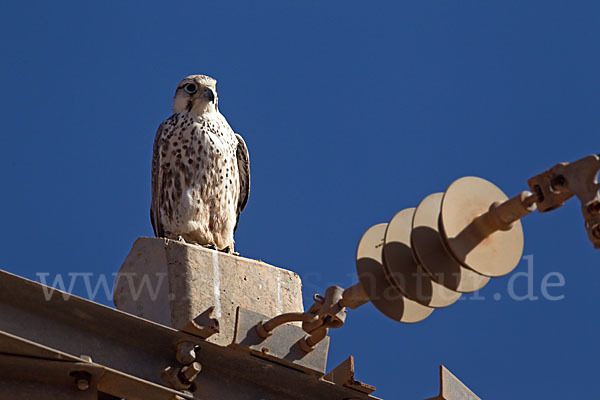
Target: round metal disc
x=431 y=253
x=401 y=269
x=494 y=254
x=382 y=294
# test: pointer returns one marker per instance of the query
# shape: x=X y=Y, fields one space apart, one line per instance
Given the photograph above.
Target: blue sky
x=351 y=111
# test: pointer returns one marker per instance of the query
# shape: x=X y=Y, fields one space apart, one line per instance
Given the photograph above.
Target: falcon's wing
x=156 y=185
x=243 y=162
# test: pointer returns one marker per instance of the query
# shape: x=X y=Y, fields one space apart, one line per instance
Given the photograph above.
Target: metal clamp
x=183 y=378
x=326 y=312
x=565 y=180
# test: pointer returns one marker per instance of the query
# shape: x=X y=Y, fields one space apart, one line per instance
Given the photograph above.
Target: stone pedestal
x=188 y=287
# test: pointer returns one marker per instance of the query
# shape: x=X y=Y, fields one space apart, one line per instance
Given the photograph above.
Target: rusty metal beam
x=77 y=379
x=132 y=352
x=78 y=327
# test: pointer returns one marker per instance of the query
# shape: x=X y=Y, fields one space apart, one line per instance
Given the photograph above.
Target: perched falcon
x=200 y=170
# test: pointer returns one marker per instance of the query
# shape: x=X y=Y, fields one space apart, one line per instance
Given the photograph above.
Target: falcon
x=200 y=170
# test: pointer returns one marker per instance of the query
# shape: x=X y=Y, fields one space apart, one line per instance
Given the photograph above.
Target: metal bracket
x=204 y=325
x=326 y=312
x=451 y=388
x=343 y=375
x=182 y=378
x=282 y=346
x=564 y=180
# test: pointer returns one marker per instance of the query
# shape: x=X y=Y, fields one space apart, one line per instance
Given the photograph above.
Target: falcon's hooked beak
x=209 y=95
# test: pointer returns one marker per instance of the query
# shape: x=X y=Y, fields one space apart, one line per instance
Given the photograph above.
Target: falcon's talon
x=181 y=239
x=229 y=250
x=211 y=246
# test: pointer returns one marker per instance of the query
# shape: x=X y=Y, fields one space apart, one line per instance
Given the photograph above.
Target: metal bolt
x=174 y=377
x=186 y=352
x=83 y=384
x=189 y=372
x=82 y=379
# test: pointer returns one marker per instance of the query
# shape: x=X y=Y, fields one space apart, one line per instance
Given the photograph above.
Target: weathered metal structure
x=59 y=346
x=194 y=323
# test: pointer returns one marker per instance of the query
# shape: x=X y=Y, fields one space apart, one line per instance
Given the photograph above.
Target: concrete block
x=186 y=287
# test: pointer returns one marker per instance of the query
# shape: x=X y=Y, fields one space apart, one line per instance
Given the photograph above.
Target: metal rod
x=499 y=217
x=354 y=297
x=309 y=342
x=502 y=216
x=316 y=337
x=264 y=329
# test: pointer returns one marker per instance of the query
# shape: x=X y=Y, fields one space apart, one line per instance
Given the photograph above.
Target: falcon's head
x=197 y=94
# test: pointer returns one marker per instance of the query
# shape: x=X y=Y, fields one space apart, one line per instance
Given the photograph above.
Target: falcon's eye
x=191 y=88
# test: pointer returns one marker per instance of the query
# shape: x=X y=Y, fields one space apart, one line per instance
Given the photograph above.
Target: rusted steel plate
x=451 y=388
x=282 y=346
x=343 y=374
